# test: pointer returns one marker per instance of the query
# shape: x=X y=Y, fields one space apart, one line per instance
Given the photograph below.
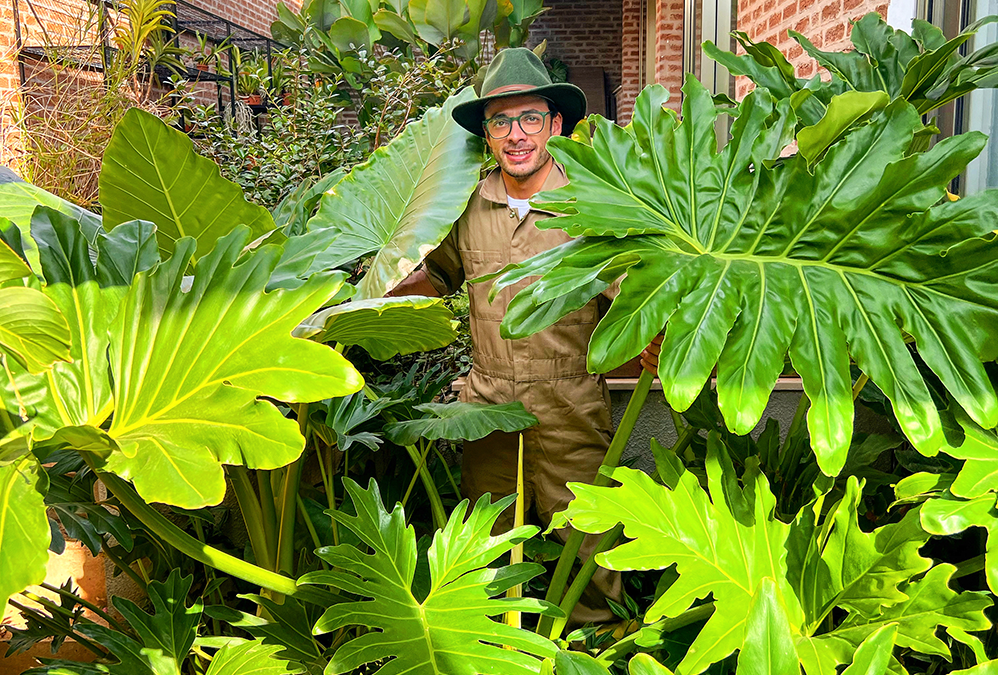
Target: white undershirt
x=521 y=206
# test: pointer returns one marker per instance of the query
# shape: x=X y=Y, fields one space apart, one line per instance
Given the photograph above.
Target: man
x=519 y=111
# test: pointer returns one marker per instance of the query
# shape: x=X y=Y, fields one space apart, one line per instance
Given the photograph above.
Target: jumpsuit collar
x=494 y=188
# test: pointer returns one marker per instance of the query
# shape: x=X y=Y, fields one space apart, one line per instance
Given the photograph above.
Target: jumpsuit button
x=512 y=215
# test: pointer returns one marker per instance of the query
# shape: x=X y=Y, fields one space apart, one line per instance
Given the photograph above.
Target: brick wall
x=256 y=15
x=64 y=22
x=669 y=49
x=582 y=33
x=630 y=59
x=825 y=22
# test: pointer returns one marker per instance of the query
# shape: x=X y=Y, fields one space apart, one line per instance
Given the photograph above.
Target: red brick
x=835 y=33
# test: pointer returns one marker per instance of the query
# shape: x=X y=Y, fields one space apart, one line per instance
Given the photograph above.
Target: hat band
x=510 y=87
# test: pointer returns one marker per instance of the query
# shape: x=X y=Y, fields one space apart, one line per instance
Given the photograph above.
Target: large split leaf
x=744 y=257
x=17 y=204
x=151 y=172
x=78 y=392
x=172 y=626
x=24 y=530
x=189 y=368
x=448 y=631
x=384 y=327
x=728 y=547
x=727 y=542
x=252 y=657
x=769 y=644
x=402 y=202
x=922 y=68
x=460 y=421
x=32 y=329
x=945 y=516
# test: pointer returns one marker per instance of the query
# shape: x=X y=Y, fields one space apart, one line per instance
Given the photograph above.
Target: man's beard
x=541 y=157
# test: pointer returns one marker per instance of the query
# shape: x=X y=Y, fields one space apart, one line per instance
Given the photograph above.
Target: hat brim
x=570 y=100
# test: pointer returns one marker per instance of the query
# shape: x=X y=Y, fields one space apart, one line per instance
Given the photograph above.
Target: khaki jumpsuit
x=546 y=372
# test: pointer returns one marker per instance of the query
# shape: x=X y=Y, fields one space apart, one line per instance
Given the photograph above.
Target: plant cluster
x=188 y=341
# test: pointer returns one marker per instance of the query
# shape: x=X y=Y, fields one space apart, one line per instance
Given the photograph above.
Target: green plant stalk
x=289 y=493
x=85 y=603
x=311 y=529
x=191 y=547
x=249 y=506
x=568 y=554
x=415 y=476
x=626 y=645
x=326 y=469
x=436 y=504
x=269 y=510
x=582 y=579
x=971 y=566
x=123 y=566
x=56 y=628
x=450 y=476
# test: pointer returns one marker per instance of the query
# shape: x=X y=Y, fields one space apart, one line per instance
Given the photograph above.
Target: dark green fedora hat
x=516 y=71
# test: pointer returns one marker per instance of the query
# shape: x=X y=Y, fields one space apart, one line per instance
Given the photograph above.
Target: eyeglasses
x=531 y=123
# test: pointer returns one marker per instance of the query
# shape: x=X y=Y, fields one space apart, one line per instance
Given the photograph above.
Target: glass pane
x=982 y=112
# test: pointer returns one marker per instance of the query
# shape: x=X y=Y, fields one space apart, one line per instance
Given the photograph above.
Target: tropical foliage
x=191 y=342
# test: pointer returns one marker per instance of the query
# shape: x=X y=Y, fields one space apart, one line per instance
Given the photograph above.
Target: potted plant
x=208 y=52
x=250 y=75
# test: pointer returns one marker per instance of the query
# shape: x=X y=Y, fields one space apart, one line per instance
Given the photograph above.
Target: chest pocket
x=478 y=263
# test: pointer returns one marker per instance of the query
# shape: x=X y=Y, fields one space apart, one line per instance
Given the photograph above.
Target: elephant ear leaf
x=448 y=631
x=460 y=421
x=401 y=202
x=33 y=332
x=385 y=327
x=186 y=364
x=24 y=529
x=251 y=658
x=151 y=172
x=745 y=257
x=769 y=644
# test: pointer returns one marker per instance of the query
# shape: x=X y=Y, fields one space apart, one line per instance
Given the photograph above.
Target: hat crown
x=515 y=66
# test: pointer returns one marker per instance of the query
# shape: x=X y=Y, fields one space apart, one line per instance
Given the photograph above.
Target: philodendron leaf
x=769 y=644
x=725 y=542
x=577 y=663
x=189 y=368
x=172 y=627
x=17 y=204
x=33 y=331
x=744 y=259
x=402 y=202
x=450 y=631
x=979 y=450
x=728 y=546
x=643 y=664
x=874 y=654
x=843 y=112
x=24 y=530
x=77 y=392
x=989 y=668
x=384 y=327
x=460 y=421
x=931 y=603
x=946 y=516
x=251 y=658
x=151 y=172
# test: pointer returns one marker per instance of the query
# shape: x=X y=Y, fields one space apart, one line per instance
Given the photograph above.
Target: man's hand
x=417 y=283
x=649 y=357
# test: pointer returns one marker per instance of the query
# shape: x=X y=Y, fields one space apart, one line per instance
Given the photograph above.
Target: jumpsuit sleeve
x=443 y=265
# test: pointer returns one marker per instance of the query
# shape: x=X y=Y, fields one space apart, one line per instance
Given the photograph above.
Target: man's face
x=521 y=155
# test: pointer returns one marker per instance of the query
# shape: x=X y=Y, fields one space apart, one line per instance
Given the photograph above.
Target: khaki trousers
x=568 y=445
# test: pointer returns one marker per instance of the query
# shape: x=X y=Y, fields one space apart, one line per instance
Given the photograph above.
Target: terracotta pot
x=203 y=67
x=288 y=98
x=252 y=99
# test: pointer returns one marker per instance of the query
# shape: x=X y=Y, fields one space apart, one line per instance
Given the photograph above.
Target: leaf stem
x=249 y=506
x=289 y=492
x=85 y=603
x=311 y=528
x=571 y=550
x=123 y=566
x=269 y=510
x=191 y=547
x=971 y=566
x=582 y=579
x=629 y=644
x=860 y=383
